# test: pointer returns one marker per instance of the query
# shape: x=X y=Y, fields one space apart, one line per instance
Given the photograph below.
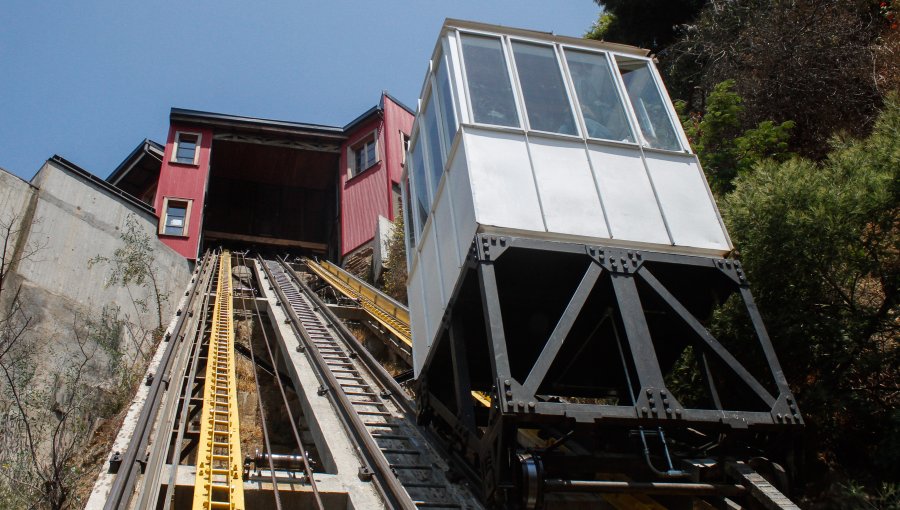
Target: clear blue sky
x=89 y=80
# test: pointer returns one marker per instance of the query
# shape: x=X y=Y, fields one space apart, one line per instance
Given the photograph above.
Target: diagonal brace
x=711 y=343
x=561 y=331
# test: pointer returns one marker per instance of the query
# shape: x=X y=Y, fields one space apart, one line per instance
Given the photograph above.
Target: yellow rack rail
x=219 y=483
x=389 y=313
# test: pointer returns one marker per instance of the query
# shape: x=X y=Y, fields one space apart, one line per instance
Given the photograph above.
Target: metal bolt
x=644 y=410
x=678 y=411
x=778 y=416
x=531 y=405
x=649 y=392
x=630 y=255
x=508 y=394
x=662 y=392
x=521 y=404
x=668 y=410
x=665 y=401
x=506 y=382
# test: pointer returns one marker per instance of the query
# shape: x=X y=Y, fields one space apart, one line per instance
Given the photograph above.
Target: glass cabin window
x=490 y=90
x=598 y=98
x=445 y=99
x=185 y=150
x=408 y=220
x=546 y=100
x=649 y=104
x=433 y=144
x=420 y=188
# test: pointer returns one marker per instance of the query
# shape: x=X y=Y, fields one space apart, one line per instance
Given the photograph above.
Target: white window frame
x=510 y=75
x=624 y=101
x=372 y=138
x=667 y=103
x=521 y=95
x=178 y=135
x=163 y=218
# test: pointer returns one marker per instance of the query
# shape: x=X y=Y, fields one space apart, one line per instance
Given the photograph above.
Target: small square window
x=185 y=150
x=363 y=156
x=175 y=220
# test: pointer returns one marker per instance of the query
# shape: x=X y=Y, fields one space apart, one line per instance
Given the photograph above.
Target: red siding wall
x=363 y=197
x=396 y=119
x=368 y=195
x=187 y=182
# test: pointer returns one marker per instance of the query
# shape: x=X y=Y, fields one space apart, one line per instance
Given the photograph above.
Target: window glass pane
x=432 y=142
x=358 y=160
x=545 y=95
x=445 y=99
x=603 y=110
x=420 y=188
x=408 y=220
x=489 y=88
x=175 y=218
x=648 y=104
x=187 y=146
x=370 y=154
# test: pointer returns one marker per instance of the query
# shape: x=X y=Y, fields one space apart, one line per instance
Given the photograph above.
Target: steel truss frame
x=517 y=403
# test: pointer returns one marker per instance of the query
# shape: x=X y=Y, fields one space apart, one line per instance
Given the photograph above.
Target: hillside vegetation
x=794 y=112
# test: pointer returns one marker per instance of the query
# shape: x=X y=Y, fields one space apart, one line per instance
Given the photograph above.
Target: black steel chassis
x=489 y=439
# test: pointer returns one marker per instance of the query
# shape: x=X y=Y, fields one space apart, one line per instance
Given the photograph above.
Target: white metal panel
x=418 y=324
x=430 y=266
x=566 y=187
x=627 y=195
x=458 y=186
x=686 y=202
x=446 y=239
x=502 y=182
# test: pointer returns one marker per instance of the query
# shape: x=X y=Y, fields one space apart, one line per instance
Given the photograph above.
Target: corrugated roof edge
x=125 y=164
x=102 y=184
x=548 y=36
x=220 y=119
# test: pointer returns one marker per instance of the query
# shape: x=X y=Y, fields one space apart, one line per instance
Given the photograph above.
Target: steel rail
x=262 y=413
x=397 y=393
x=123 y=485
x=388 y=485
x=307 y=465
x=186 y=395
x=393 y=392
x=149 y=489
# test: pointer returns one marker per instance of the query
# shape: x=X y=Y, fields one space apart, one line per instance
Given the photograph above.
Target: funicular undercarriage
x=603 y=376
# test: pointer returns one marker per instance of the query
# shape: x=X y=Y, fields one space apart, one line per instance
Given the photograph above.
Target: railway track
x=402 y=462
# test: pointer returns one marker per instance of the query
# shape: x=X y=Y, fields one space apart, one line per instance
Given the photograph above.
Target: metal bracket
x=490 y=247
x=616 y=260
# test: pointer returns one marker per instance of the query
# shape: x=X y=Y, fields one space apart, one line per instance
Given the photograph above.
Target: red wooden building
x=308 y=188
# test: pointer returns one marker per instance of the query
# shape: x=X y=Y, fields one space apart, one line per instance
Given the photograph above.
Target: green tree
x=810 y=61
x=648 y=24
x=133 y=264
x=395 y=271
x=725 y=149
x=821 y=245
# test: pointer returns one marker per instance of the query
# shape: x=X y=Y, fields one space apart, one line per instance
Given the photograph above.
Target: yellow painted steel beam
x=387 y=312
x=219 y=482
